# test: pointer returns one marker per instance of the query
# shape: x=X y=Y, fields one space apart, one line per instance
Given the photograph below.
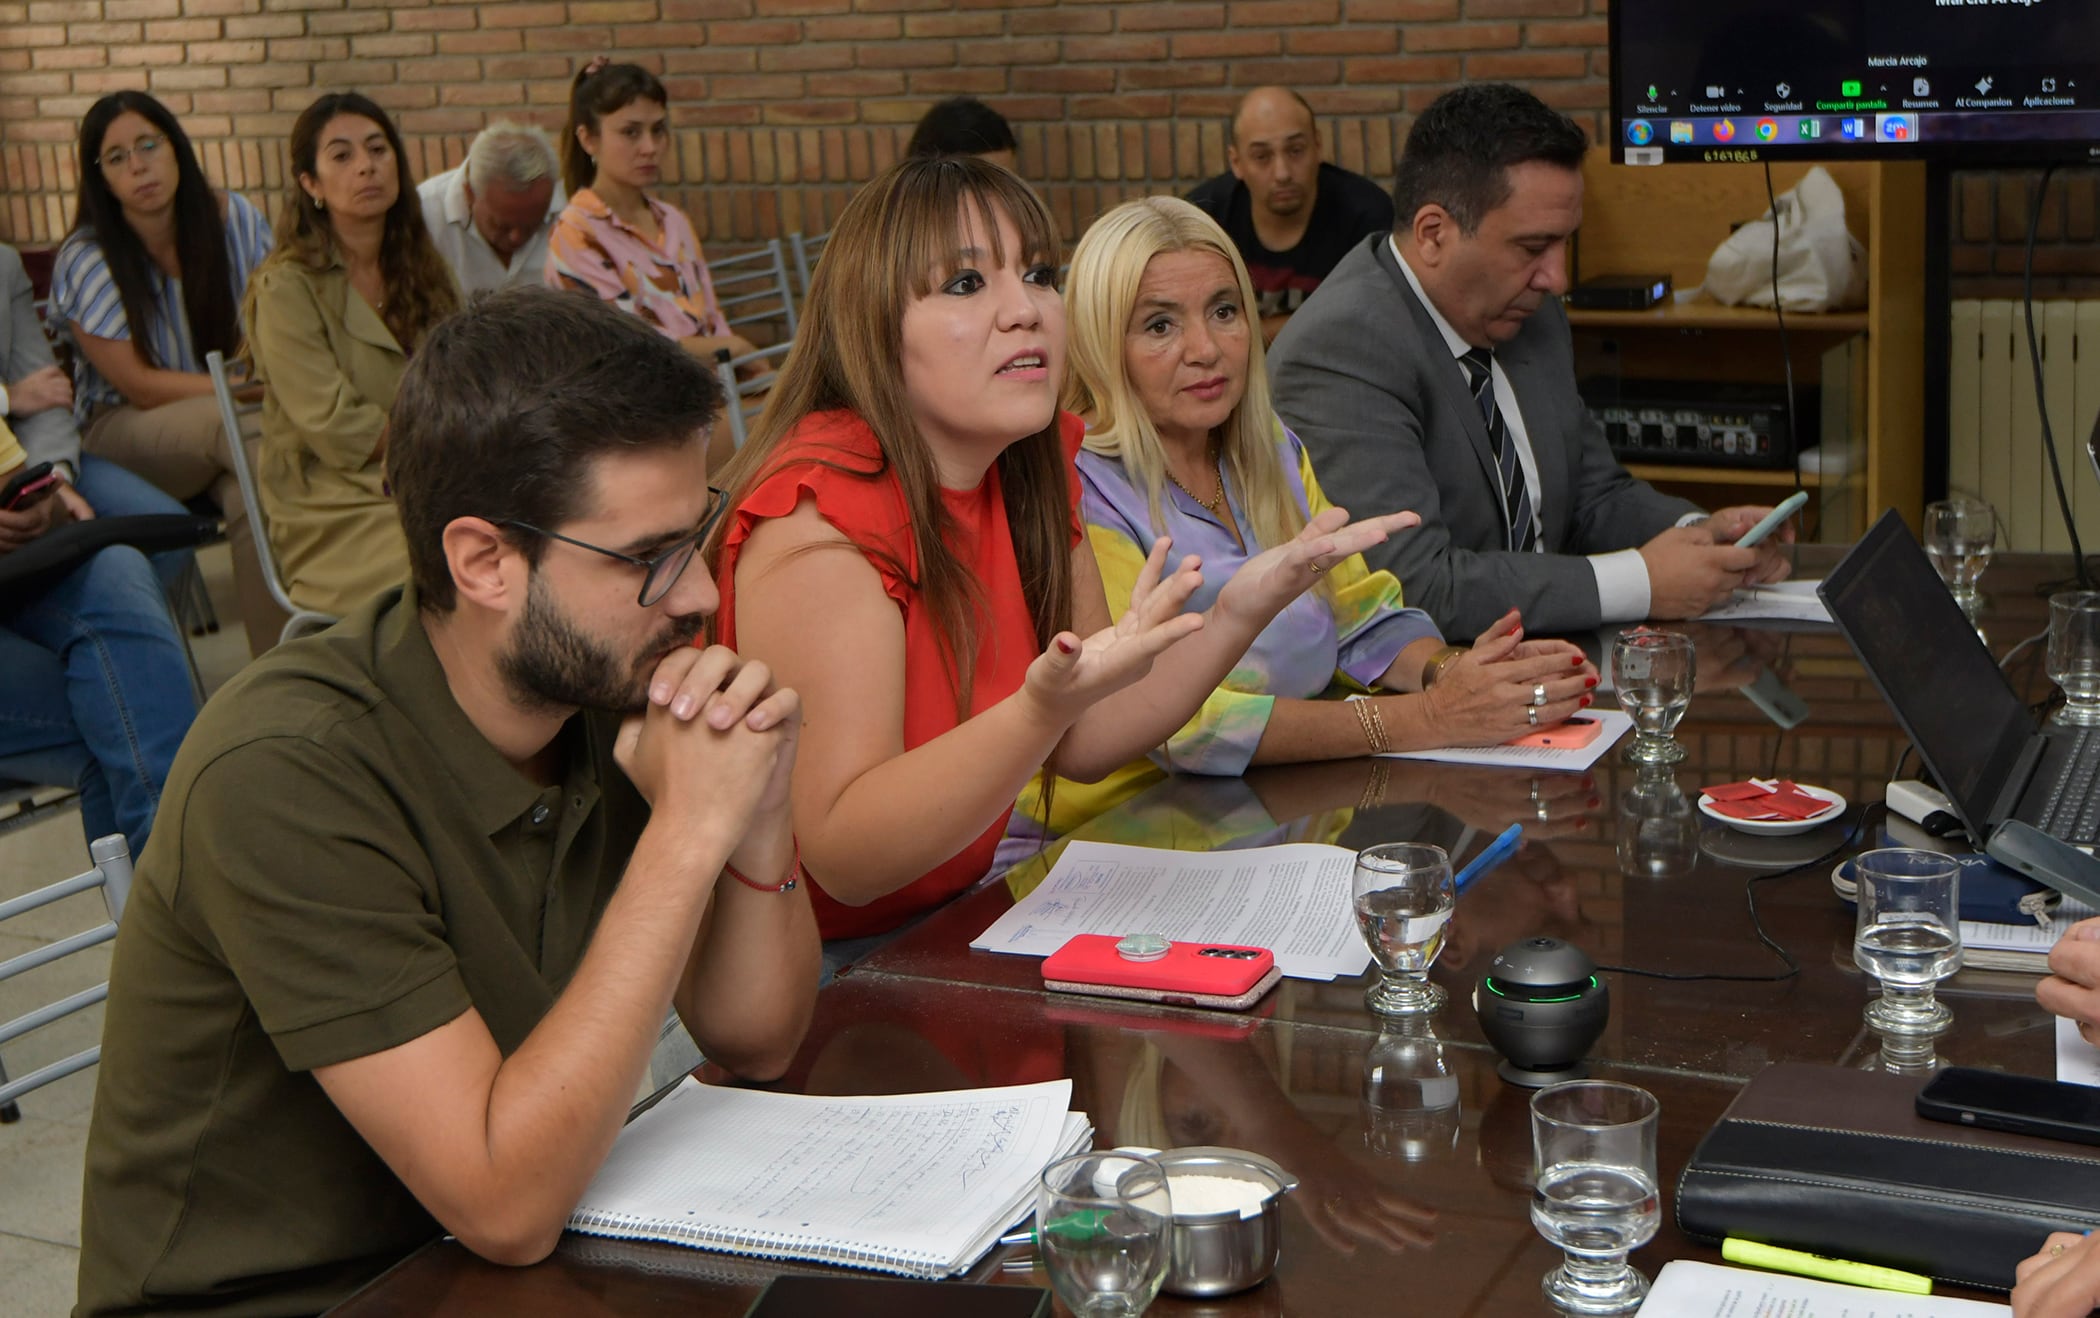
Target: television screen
x=1975 y=81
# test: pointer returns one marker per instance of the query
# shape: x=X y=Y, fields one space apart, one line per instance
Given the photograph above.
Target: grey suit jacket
x=49 y=435
x=1365 y=379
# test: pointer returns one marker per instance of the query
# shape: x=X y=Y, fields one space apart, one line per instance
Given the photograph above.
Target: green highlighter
x=1815 y=1265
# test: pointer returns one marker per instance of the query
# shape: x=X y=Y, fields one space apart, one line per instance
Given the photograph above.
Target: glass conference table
x=1414 y=1156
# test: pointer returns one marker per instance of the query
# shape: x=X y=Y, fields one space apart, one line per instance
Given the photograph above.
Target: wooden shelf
x=1659 y=473
x=1713 y=316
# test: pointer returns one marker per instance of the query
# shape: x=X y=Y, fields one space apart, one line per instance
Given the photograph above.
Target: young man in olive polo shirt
x=408 y=925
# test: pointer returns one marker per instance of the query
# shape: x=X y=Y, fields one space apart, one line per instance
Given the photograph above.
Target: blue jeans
x=97 y=691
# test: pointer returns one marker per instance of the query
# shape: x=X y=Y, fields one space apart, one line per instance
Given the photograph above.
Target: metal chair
x=745 y=399
x=302 y=620
x=752 y=287
x=112 y=874
x=807 y=250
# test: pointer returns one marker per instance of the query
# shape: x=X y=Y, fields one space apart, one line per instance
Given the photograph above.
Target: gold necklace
x=1216 y=503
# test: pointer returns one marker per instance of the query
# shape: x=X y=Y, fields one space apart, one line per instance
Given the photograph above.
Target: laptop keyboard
x=2071 y=811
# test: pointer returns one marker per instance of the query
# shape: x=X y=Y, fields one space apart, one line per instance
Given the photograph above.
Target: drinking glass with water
x=1404 y=898
x=1959 y=535
x=1653 y=672
x=1102 y=1230
x=1595 y=1195
x=2074 y=654
x=1909 y=935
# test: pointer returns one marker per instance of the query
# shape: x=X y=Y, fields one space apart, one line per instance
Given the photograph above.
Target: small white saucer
x=1780 y=827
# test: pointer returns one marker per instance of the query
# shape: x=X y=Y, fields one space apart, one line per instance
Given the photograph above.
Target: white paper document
x=2077 y=1062
x=1688 y=1289
x=1292 y=899
x=1785 y=601
x=1616 y=724
x=2023 y=946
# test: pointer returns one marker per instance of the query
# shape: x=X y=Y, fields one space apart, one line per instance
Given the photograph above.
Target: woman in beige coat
x=353 y=285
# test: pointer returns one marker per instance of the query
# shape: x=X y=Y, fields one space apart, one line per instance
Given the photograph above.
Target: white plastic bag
x=1822 y=267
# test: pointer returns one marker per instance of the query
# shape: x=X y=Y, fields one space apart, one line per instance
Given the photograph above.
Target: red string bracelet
x=794 y=873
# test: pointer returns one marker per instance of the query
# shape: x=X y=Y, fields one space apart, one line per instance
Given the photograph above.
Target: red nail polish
x=1585 y=702
x=1576 y=662
x=1589 y=681
x=1066 y=647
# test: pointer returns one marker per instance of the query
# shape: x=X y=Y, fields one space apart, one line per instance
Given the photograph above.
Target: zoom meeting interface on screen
x=1760 y=79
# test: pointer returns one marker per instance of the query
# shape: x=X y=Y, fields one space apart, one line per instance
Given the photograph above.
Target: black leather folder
x=1837 y=1162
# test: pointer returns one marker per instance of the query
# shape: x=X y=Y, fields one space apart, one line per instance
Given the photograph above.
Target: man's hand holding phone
x=31 y=503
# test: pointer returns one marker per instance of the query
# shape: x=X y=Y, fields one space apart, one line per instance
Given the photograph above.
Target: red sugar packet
x=1738 y=792
x=1754 y=810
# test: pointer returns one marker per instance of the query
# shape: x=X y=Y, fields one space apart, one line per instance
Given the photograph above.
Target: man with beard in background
x=425 y=886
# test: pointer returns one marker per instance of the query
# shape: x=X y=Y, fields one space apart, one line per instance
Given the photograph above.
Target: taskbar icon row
x=1774 y=130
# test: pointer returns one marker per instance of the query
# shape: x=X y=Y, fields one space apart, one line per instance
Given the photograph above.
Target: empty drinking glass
x=1909 y=935
x=1653 y=671
x=1102 y=1230
x=1959 y=533
x=2074 y=654
x=1595 y=1196
x=1403 y=897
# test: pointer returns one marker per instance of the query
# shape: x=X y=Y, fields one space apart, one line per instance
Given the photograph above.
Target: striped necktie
x=1518 y=532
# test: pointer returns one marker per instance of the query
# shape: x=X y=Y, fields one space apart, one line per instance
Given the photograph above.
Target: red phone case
x=1579 y=731
x=1191 y=974
x=32 y=493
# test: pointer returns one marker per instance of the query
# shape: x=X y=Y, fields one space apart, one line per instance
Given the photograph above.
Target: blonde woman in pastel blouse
x=1166 y=369
x=613 y=239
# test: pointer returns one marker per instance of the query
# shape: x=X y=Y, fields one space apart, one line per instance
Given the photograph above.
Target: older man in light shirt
x=491 y=216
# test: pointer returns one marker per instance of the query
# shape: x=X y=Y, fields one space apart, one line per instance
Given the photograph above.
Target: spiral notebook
x=916 y=1184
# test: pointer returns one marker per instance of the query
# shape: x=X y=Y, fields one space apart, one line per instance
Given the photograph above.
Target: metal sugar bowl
x=1222 y=1247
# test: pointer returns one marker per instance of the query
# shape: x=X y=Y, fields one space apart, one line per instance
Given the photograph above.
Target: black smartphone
x=796 y=1296
x=2022 y=1104
x=26 y=486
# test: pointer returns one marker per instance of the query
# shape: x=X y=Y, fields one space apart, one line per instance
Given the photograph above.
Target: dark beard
x=554 y=664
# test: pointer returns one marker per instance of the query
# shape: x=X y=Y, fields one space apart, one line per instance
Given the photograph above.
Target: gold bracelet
x=1374 y=789
x=1373 y=725
x=1438 y=662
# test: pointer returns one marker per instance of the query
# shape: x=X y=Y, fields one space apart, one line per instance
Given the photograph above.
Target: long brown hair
x=419 y=286
x=895 y=242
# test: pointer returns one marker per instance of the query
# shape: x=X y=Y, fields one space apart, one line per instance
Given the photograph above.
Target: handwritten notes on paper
x=1293 y=900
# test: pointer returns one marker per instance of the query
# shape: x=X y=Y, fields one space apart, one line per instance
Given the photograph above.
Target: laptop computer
x=2019 y=790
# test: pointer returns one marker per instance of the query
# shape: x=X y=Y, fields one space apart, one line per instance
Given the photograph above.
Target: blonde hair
x=1100 y=294
x=894 y=242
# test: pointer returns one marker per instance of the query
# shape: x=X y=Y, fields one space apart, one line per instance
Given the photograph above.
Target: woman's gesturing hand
x=1486 y=695
x=1073 y=674
x=1273 y=578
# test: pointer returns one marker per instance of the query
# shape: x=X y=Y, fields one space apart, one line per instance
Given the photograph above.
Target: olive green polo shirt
x=341 y=863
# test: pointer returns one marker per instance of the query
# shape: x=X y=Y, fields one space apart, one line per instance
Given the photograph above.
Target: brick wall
x=780 y=106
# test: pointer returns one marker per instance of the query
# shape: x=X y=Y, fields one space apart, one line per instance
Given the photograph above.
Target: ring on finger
x=1315 y=565
x=1538 y=693
x=2056 y=1249
x=1531 y=715
x=1543 y=813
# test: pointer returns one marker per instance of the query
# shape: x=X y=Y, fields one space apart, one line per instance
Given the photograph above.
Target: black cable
x=1793 y=967
x=2041 y=398
x=1786 y=355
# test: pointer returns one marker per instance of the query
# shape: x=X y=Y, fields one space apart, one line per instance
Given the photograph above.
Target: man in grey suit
x=1434 y=371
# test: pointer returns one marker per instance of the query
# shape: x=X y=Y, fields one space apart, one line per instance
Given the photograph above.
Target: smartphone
x=27 y=486
x=1217 y=975
x=2022 y=1104
x=797 y=1296
x=1794 y=504
x=1579 y=731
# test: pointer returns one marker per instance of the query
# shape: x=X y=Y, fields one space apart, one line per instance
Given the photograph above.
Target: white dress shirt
x=450 y=218
x=1622 y=575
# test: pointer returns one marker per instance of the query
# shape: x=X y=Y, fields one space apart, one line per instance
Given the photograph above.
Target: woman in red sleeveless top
x=903 y=550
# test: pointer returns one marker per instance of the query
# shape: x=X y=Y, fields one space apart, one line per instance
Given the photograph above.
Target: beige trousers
x=179 y=448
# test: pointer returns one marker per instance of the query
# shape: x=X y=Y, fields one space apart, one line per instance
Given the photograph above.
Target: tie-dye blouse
x=664 y=282
x=1314 y=647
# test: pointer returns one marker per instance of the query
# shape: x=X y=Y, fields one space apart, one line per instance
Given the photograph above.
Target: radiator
x=1995 y=449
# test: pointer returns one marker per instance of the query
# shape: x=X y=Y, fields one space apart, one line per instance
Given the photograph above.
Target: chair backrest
x=807 y=250
x=753 y=287
x=112 y=874
x=747 y=398
x=302 y=620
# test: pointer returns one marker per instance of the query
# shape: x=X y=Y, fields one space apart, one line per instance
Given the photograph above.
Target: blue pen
x=1501 y=849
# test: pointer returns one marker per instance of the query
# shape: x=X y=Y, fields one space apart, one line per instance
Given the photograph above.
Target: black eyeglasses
x=667 y=565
